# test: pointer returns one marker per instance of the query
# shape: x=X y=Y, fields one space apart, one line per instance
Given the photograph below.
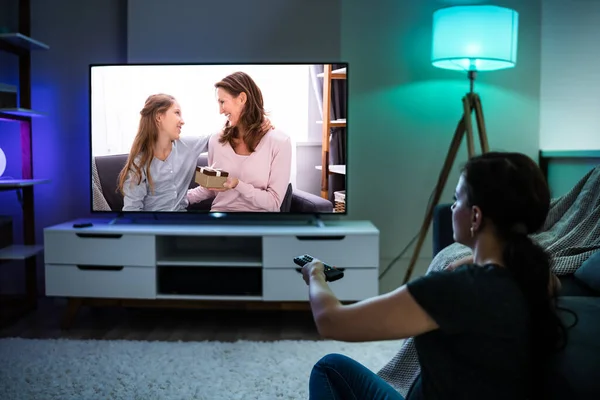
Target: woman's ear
x=243 y=98
x=476 y=218
x=159 y=117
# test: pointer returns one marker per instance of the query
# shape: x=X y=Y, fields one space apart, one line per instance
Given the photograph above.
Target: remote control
x=331 y=273
x=83 y=225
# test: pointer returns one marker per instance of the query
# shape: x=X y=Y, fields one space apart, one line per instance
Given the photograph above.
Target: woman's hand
x=266 y=125
x=554 y=285
x=229 y=184
x=313 y=268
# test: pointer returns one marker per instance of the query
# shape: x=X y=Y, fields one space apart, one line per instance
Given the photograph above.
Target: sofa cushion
x=109 y=167
x=574 y=370
x=589 y=272
x=571 y=286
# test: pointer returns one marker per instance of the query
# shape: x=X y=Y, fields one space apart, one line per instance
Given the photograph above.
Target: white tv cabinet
x=206 y=261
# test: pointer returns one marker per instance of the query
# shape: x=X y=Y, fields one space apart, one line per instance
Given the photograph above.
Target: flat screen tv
x=218 y=138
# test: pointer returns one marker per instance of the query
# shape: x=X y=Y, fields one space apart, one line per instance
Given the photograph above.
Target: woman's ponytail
x=530 y=267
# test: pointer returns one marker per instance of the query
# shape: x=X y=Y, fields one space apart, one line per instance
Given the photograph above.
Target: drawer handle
x=99 y=268
x=100 y=235
x=340 y=237
x=339 y=269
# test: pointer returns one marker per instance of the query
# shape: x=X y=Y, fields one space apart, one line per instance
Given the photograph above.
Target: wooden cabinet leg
x=70 y=313
x=31 y=283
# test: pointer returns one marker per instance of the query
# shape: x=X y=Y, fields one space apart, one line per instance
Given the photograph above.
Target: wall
x=570 y=82
x=277 y=31
x=404 y=113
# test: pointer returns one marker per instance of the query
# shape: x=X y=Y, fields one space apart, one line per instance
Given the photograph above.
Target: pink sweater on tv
x=263 y=175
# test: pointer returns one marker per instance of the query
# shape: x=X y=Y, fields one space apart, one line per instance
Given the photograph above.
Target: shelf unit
x=20 y=44
x=334 y=169
x=328 y=75
x=246 y=265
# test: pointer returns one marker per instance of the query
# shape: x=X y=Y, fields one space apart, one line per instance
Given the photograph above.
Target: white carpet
x=90 y=369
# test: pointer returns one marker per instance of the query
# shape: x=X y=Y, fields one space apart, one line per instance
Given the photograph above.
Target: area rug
x=101 y=369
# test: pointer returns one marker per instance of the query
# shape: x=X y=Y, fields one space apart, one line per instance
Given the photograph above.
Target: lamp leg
x=485 y=148
x=471 y=102
x=443 y=177
x=468 y=101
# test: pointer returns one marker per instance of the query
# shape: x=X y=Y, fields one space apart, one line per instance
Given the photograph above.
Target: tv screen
x=227 y=138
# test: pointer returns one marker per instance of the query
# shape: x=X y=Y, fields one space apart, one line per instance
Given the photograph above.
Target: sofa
x=108 y=169
x=575 y=371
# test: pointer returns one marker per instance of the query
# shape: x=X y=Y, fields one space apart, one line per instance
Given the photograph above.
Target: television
x=198 y=158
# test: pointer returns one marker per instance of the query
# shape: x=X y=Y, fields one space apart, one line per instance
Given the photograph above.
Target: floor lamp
x=468 y=38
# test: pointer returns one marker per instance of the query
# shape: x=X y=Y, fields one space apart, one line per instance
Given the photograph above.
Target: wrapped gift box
x=211 y=178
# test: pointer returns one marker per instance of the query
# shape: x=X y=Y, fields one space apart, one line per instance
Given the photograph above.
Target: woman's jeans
x=337 y=377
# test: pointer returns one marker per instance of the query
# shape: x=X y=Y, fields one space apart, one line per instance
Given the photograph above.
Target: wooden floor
x=118 y=323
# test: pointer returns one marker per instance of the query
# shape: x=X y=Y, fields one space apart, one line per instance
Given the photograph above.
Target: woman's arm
x=134 y=193
x=199 y=193
x=554 y=285
x=394 y=315
x=198 y=144
x=271 y=198
x=201 y=145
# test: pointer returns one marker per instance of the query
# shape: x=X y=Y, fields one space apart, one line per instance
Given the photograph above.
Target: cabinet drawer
x=99 y=249
x=352 y=251
x=288 y=285
x=101 y=281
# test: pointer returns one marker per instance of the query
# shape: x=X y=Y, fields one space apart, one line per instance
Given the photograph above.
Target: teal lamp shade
x=475 y=38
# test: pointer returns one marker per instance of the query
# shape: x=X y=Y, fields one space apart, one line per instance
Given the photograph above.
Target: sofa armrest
x=443 y=234
x=309 y=203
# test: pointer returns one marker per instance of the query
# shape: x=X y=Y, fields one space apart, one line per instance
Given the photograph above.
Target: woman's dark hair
x=512 y=193
x=253 y=114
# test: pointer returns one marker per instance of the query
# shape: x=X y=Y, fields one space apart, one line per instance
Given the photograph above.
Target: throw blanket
x=570 y=235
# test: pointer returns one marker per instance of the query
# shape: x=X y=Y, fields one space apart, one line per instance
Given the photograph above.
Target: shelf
x=570 y=153
x=208 y=298
x=334 y=169
x=20 y=252
x=16 y=114
x=336 y=123
x=335 y=74
x=7 y=88
x=208 y=260
x=6 y=184
x=22 y=42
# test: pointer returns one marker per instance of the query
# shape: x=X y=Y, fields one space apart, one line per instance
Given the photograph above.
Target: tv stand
x=318 y=221
x=166 y=263
x=117 y=219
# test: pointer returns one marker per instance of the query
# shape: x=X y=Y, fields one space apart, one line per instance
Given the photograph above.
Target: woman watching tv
x=483 y=330
x=258 y=159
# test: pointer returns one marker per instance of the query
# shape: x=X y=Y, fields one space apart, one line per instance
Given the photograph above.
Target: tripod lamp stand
x=469 y=39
